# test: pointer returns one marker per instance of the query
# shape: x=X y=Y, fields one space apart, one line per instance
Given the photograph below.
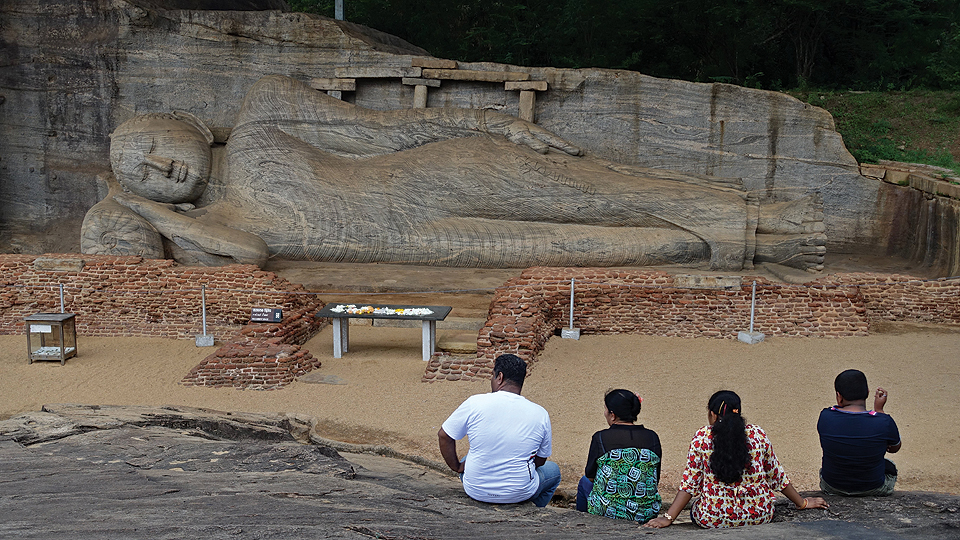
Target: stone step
x=457 y=343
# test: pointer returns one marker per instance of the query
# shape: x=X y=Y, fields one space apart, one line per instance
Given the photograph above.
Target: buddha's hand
x=525 y=133
x=141 y=205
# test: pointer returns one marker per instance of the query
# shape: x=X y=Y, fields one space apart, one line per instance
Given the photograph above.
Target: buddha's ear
x=188 y=118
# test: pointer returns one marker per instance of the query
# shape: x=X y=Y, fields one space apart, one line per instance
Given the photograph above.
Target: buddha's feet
x=803 y=216
x=804 y=251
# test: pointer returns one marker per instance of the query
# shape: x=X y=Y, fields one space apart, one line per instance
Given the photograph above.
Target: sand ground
x=784 y=383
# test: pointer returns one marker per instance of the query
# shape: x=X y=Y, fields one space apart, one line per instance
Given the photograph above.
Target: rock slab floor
x=84 y=472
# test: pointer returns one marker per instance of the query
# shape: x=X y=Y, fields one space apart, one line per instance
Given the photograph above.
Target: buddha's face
x=162 y=159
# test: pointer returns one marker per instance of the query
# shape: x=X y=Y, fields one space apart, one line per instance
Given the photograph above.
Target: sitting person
x=623 y=466
x=732 y=468
x=854 y=440
x=510 y=441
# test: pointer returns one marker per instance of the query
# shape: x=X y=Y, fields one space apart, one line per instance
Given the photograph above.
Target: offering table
x=341 y=313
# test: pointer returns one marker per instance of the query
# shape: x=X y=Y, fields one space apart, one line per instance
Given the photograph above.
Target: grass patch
x=915 y=126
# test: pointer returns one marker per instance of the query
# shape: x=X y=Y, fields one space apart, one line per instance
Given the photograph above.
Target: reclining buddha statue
x=311 y=177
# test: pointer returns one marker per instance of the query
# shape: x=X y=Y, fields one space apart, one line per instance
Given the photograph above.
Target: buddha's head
x=162 y=157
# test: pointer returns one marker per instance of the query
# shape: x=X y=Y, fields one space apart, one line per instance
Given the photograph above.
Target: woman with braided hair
x=733 y=471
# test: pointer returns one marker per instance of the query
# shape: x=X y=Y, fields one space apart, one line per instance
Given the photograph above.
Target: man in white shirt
x=510 y=441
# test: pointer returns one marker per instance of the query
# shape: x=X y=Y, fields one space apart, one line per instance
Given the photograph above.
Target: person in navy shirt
x=855 y=440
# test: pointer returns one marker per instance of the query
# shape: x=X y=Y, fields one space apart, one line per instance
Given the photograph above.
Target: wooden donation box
x=51 y=336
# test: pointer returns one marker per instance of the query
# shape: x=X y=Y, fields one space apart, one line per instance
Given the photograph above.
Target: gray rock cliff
x=73 y=71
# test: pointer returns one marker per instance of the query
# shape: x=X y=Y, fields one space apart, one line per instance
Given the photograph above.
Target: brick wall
x=894 y=297
x=136 y=297
x=530 y=309
x=131 y=296
x=263 y=357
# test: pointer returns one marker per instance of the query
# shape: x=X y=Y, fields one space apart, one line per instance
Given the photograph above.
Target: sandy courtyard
x=784 y=382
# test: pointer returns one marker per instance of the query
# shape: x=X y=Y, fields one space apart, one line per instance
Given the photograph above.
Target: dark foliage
x=858 y=44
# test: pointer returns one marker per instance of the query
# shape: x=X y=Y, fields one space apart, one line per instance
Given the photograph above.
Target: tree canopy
x=775 y=44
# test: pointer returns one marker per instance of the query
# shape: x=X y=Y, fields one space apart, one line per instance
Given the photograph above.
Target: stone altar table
x=341 y=313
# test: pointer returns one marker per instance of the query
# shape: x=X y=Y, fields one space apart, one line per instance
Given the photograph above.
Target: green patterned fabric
x=626 y=485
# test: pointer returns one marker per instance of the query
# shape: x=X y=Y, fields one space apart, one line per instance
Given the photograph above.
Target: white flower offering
x=352 y=309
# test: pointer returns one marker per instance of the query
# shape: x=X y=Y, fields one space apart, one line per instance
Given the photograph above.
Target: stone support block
x=537 y=86
x=897 y=177
x=934 y=186
x=473 y=75
x=420 y=97
x=695 y=281
x=528 y=105
x=433 y=63
x=326 y=85
x=58 y=265
x=528 y=96
x=415 y=81
x=376 y=72
x=948 y=189
x=872 y=171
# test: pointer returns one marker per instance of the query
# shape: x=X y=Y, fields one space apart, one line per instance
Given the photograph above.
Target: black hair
x=731 y=452
x=513 y=367
x=852 y=385
x=623 y=403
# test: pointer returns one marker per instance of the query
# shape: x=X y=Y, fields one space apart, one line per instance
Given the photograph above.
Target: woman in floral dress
x=733 y=471
x=623 y=466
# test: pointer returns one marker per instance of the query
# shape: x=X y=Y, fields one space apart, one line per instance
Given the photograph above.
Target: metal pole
x=203 y=306
x=338 y=10
x=571 y=302
x=61 y=298
x=753 y=304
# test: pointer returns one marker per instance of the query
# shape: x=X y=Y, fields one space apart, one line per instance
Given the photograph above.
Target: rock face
x=74 y=70
x=77 y=70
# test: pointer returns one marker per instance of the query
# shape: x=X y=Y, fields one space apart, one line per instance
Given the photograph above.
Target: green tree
x=866 y=44
x=945 y=62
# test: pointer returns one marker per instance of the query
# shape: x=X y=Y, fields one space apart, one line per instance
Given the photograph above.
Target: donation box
x=51 y=336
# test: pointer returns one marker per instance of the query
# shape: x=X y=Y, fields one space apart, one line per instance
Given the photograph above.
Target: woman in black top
x=623 y=466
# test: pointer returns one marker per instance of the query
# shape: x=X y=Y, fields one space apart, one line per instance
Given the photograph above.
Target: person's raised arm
x=448 y=449
x=879 y=401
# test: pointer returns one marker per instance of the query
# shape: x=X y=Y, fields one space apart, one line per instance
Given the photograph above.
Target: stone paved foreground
x=84 y=472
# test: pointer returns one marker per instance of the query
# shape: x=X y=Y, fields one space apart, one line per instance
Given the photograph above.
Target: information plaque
x=260 y=314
